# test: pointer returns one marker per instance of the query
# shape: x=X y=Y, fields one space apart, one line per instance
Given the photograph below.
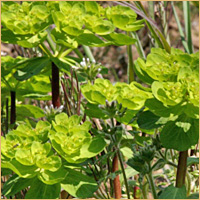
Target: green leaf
x=194 y=195
x=33 y=41
x=5 y=172
x=192 y=160
x=60 y=37
x=91 y=149
x=180 y=134
x=61 y=64
x=50 y=177
x=91 y=7
x=169 y=93
x=140 y=72
x=119 y=39
x=79 y=185
x=172 y=192
x=51 y=163
x=38 y=148
x=25 y=157
x=23 y=111
x=159 y=109
x=127 y=117
x=103 y=27
x=32 y=67
x=148 y=120
x=65 y=7
x=93 y=110
x=15 y=184
x=62 y=119
x=39 y=190
x=21 y=170
x=91 y=40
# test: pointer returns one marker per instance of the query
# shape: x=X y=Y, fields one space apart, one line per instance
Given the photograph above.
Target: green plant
x=75 y=134
x=27 y=152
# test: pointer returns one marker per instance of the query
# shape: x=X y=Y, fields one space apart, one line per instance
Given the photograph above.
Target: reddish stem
x=117 y=186
x=55 y=86
x=13 y=107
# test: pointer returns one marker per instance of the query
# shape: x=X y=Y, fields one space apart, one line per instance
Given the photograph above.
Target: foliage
x=29 y=154
x=73 y=128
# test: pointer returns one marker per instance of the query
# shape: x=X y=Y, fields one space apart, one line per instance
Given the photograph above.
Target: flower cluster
x=88 y=69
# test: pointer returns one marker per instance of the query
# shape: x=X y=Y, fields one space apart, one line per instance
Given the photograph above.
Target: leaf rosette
x=131 y=96
x=72 y=140
x=100 y=91
x=25 y=24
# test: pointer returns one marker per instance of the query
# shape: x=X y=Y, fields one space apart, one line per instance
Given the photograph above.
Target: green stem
x=138 y=45
x=186 y=11
x=61 y=51
x=130 y=63
x=123 y=172
x=13 y=107
x=66 y=52
x=151 y=9
x=180 y=28
x=45 y=49
x=188 y=183
x=168 y=162
x=145 y=189
x=88 y=52
x=182 y=168
x=51 y=43
x=78 y=53
x=151 y=183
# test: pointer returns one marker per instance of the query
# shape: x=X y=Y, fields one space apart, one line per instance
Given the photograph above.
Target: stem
x=117 y=186
x=13 y=107
x=55 y=86
x=60 y=51
x=7 y=113
x=186 y=11
x=185 y=44
x=188 y=183
x=50 y=42
x=138 y=45
x=45 y=50
x=168 y=162
x=181 y=170
x=78 y=53
x=136 y=189
x=65 y=53
x=123 y=172
x=88 y=52
x=144 y=190
x=130 y=63
x=152 y=185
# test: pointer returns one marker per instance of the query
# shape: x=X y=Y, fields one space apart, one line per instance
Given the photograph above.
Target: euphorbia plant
x=174 y=83
x=74 y=24
x=116 y=103
x=79 y=154
x=26 y=24
x=39 y=163
x=36 y=87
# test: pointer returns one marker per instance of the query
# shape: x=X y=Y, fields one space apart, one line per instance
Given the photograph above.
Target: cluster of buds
x=142 y=158
x=88 y=69
x=51 y=112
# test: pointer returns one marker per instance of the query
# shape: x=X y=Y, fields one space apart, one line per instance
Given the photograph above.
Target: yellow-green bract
x=75 y=23
x=174 y=80
x=29 y=153
x=131 y=96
